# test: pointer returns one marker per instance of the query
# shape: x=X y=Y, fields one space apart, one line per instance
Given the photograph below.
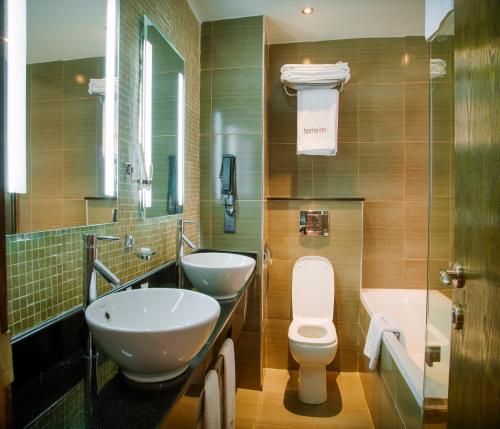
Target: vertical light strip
x=109 y=101
x=16 y=96
x=148 y=113
x=180 y=139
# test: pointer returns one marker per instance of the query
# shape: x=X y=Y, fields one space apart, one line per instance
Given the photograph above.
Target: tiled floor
x=277 y=406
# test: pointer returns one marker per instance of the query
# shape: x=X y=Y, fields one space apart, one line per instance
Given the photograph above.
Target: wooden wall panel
x=474 y=395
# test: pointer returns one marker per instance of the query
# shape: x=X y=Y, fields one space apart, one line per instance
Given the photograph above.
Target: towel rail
x=335 y=84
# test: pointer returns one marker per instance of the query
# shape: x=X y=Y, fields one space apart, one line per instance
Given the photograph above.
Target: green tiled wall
x=232 y=55
x=45 y=268
x=232 y=121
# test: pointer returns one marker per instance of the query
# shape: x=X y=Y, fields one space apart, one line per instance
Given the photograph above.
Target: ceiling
x=332 y=19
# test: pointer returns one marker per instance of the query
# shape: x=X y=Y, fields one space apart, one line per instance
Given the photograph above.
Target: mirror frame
x=146 y=181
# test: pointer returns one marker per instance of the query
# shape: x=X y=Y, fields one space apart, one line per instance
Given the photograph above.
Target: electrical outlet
x=145 y=285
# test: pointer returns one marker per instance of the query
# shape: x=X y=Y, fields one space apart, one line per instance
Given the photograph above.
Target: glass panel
x=441 y=209
x=70 y=74
x=162 y=124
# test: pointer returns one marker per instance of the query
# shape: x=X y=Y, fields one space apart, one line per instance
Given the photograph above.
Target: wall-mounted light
x=16 y=96
x=109 y=131
x=308 y=10
x=180 y=139
x=147 y=110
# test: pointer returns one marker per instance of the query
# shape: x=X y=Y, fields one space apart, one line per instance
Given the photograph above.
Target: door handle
x=457 y=316
x=453 y=277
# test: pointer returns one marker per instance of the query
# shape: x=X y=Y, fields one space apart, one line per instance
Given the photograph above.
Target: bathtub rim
x=410 y=371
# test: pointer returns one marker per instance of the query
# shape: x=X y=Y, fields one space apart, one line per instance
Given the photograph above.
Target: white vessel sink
x=220 y=275
x=152 y=334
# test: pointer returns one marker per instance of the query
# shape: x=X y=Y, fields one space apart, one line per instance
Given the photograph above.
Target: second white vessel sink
x=152 y=334
x=220 y=275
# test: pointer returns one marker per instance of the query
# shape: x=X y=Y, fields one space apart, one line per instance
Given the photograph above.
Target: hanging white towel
x=227 y=351
x=317 y=121
x=211 y=398
x=436 y=12
x=379 y=324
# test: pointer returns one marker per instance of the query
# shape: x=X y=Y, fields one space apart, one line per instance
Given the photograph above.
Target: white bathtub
x=407 y=307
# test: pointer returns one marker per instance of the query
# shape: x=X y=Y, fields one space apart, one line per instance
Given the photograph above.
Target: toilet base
x=312 y=384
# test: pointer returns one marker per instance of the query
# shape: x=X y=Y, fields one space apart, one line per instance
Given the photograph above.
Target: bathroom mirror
x=162 y=145
x=62 y=113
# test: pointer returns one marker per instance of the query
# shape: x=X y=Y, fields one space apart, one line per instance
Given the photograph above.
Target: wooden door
x=474 y=393
x=6 y=374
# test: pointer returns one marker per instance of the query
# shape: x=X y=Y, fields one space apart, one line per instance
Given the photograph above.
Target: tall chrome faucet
x=90 y=267
x=181 y=239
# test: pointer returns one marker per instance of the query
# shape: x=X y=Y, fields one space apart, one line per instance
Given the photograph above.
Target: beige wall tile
x=47 y=174
x=415 y=274
x=383 y=273
x=381 y=60
x=279 y=291
x=416 y=59
x=380 y=243
x=417 y=112
x=48 y=214
x=416 y=184
x=277 y=343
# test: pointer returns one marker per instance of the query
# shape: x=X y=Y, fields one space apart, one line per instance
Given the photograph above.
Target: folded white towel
x=315 y=73
x=317 y=122
x=98 y=86
x=227 y=351
x=379 y=324
x=211 y=398
x=437 y=68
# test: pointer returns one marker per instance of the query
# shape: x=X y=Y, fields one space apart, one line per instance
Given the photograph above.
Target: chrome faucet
x=91 y=266
x=181 y=239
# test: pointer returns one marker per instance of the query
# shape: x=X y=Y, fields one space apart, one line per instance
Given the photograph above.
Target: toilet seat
x=313 y=332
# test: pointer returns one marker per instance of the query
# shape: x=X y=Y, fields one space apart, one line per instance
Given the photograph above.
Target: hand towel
x=227 y=352
x=211 y=398
x=317 y=121
x=379 y=324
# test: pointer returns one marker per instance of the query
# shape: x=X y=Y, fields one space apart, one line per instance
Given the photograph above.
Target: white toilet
x=312 y=336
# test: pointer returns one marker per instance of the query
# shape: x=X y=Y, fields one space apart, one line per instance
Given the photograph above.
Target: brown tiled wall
x=64 y=156
x=442 y=187
x=382 y=156
x=342 y=248
x=232 y=63
x=44 y=269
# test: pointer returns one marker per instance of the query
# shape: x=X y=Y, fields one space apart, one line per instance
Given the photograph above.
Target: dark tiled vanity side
x=57 y=385
x=390 y=400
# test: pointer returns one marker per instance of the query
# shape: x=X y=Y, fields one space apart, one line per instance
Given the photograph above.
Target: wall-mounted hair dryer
x=227 y=177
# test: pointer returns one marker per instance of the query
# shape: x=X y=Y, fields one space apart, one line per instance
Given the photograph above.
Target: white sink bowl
x=220 y=275
x=152 y=334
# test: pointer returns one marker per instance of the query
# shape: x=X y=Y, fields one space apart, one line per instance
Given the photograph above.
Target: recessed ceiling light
x=307 y=10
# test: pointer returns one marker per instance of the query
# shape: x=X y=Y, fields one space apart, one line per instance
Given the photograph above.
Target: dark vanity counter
x=80 y=393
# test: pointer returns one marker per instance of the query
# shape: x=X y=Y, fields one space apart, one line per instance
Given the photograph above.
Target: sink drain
x=107 y=315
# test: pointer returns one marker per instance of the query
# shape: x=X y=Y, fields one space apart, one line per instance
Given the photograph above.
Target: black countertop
x=77 y=392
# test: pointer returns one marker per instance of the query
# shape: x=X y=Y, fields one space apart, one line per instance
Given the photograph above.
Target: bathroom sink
x=152 y=334
x=220 y=275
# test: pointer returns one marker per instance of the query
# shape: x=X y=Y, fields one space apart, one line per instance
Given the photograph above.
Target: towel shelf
x=334 y=84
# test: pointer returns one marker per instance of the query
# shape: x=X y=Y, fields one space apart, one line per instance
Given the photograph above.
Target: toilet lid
x=313 y=288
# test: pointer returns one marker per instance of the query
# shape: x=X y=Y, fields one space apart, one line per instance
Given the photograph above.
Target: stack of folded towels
x=438 y=68
x=299 y=76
